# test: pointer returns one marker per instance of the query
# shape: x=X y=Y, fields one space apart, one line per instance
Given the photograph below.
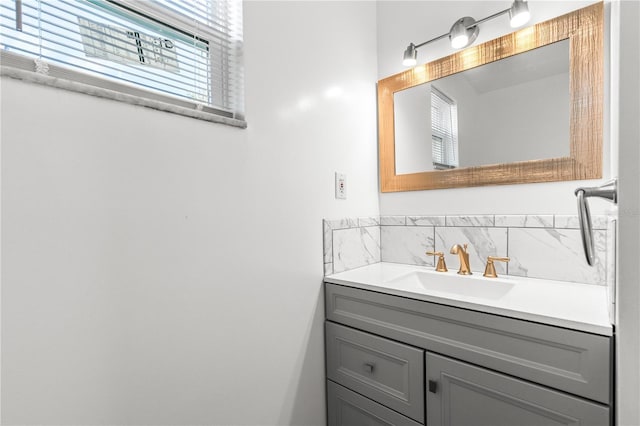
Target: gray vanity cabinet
x=465 y=395
x=348 y=408
x=393 y=360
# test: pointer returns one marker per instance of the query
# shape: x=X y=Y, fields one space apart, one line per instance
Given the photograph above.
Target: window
x=186 y=54
x=444 y=131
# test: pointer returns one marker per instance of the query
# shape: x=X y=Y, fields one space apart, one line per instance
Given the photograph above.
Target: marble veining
x=327 y=242
x=555 y=254
x=342 y=223
x=393 y=220
x=425 y=220
x=328 y=226
x=470 y=220
x=482 y=242
x=368 y=221
x=524 y=221
x=572 y=222
x=407 y=244
x=355 y=247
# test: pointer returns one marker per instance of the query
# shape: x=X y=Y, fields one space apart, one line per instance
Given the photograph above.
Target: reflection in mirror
x=515 y=109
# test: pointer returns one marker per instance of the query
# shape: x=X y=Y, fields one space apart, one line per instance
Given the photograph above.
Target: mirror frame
x=584 y=29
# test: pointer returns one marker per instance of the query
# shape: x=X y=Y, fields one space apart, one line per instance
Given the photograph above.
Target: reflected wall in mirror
x=515 y=109
x=526 y=107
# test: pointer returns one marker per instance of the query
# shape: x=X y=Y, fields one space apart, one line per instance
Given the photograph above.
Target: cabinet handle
x=369 y=366
x=433 y=386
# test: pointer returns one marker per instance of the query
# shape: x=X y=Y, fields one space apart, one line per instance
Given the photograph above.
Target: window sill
x=73 y=86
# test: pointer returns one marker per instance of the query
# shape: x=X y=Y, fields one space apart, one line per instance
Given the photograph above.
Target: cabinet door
x=347 y=408
x=462 y=394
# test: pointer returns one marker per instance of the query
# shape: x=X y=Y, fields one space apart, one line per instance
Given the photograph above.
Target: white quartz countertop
x=575 y=306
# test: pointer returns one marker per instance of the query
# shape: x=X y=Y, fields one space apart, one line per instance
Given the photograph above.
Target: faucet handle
x=490 y=269
x=441 y=267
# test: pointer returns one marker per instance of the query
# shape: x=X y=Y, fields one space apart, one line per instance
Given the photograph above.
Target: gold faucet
x=441 y=266
x=465 y=269
x=490 y=269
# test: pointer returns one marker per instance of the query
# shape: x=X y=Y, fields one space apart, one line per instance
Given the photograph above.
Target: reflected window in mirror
x=444 y=131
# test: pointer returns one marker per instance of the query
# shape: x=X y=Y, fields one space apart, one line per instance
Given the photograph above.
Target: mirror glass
x=514 y=109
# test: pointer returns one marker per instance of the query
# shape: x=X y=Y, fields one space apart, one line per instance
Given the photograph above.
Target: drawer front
x=568 y=360
x=388 y=372
x=464 y=395
x=347 y=408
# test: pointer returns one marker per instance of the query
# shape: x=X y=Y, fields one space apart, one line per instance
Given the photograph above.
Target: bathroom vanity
x=402 y=349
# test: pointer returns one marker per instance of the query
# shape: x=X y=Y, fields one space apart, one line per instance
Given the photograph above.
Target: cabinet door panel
x=386 y=371
x=466 y=395
x=347 y=408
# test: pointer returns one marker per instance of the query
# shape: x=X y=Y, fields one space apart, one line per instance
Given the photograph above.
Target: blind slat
x=191 y=61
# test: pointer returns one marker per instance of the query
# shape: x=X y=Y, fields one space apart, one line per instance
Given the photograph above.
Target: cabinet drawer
x=464 y=395
x=388 y=372
x=347 y=408
x=572 y=361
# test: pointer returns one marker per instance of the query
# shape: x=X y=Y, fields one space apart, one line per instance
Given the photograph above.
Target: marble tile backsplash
x=350 y=243
x=540 y=246
x=482 y=241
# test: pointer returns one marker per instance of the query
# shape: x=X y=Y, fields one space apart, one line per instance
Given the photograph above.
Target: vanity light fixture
x=465 y=30
x=410 y=56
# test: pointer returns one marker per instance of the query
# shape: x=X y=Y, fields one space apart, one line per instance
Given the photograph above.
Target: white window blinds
x=444 y=131
x=184 y=52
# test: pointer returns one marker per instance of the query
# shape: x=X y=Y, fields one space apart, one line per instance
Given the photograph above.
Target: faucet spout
x=463 y=255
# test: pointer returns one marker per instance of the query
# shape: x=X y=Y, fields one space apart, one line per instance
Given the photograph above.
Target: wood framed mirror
x=582 y=33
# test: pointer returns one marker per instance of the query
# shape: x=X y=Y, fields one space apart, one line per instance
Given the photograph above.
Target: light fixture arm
x=488 y=18
x=432 y=40
x=457 y=33
x=445 y=35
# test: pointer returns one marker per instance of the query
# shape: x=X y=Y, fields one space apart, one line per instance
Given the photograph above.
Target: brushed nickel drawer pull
x=369 y=366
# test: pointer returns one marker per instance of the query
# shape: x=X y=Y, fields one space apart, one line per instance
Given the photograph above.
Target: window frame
x=26 y=68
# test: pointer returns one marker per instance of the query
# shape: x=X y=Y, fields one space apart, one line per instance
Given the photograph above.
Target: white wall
x=163 y=270
x=401 y=22
x=626 y=128
x=412 y=127
x=515 y=136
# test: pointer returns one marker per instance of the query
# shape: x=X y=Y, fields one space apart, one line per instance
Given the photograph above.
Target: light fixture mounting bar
x=432 y=40
x=488 y=18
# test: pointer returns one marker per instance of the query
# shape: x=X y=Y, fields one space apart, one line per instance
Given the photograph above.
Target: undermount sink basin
x=450 y=282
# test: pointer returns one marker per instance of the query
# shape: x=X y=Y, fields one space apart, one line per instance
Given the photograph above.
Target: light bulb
x=459 y=41
x=520 y=19
x=519 y=13
x=409 y=62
